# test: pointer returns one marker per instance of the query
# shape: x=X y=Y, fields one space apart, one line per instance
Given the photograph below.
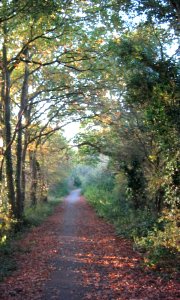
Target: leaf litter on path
x=75 y=254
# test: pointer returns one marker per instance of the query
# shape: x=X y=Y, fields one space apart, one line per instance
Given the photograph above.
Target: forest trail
x=76 y=255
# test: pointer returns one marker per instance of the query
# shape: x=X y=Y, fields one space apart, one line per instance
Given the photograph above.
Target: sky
x=71 y=130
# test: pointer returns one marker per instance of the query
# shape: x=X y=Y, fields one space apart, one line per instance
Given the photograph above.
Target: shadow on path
x=94 y=264
x=75 y=255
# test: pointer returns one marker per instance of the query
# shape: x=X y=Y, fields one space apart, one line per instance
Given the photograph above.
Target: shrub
x=162 y=243
x=156 y=236
x=36 y=215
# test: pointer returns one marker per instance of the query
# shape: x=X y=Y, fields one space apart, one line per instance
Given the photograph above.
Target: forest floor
x=76 y=255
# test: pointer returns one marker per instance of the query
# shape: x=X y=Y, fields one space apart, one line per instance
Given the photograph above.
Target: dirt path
x=75 y=255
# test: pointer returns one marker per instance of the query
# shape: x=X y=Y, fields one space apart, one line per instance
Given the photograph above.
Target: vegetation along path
x=76 y=255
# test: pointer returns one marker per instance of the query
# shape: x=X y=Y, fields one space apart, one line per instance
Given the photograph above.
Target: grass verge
x=34 y=216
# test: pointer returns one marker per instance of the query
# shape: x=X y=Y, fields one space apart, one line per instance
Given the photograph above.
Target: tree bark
x=34 y=171
x=7 y=127
x=20 y=172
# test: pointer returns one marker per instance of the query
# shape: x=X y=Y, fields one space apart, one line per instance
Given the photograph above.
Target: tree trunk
x=33 y=169
x=7 y=128
x=43 y=181
x=20 y=175
x=23 y=174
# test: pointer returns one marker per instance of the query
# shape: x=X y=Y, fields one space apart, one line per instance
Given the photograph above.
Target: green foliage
x=129 y=222
x=58 y=190
x=6 y=224
x=133 y=223
x=36 y=215
x=101 y=200
x=157 y=237
x=118 y=74
x=77 y=181
x=7 y=261
x=136 y=184
x=162 y=242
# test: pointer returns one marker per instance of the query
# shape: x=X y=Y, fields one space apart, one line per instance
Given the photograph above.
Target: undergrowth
x=36 y=215
x=157 y=237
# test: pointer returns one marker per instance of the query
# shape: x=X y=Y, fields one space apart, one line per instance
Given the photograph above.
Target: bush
x=6 y=225
x=162 y=243
x=101 y=200
x=156 y=236
x=58 y=190
x=129 y=222
x=7 y=261
x=36 y=215
x=77 y=181
x=134 y=223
